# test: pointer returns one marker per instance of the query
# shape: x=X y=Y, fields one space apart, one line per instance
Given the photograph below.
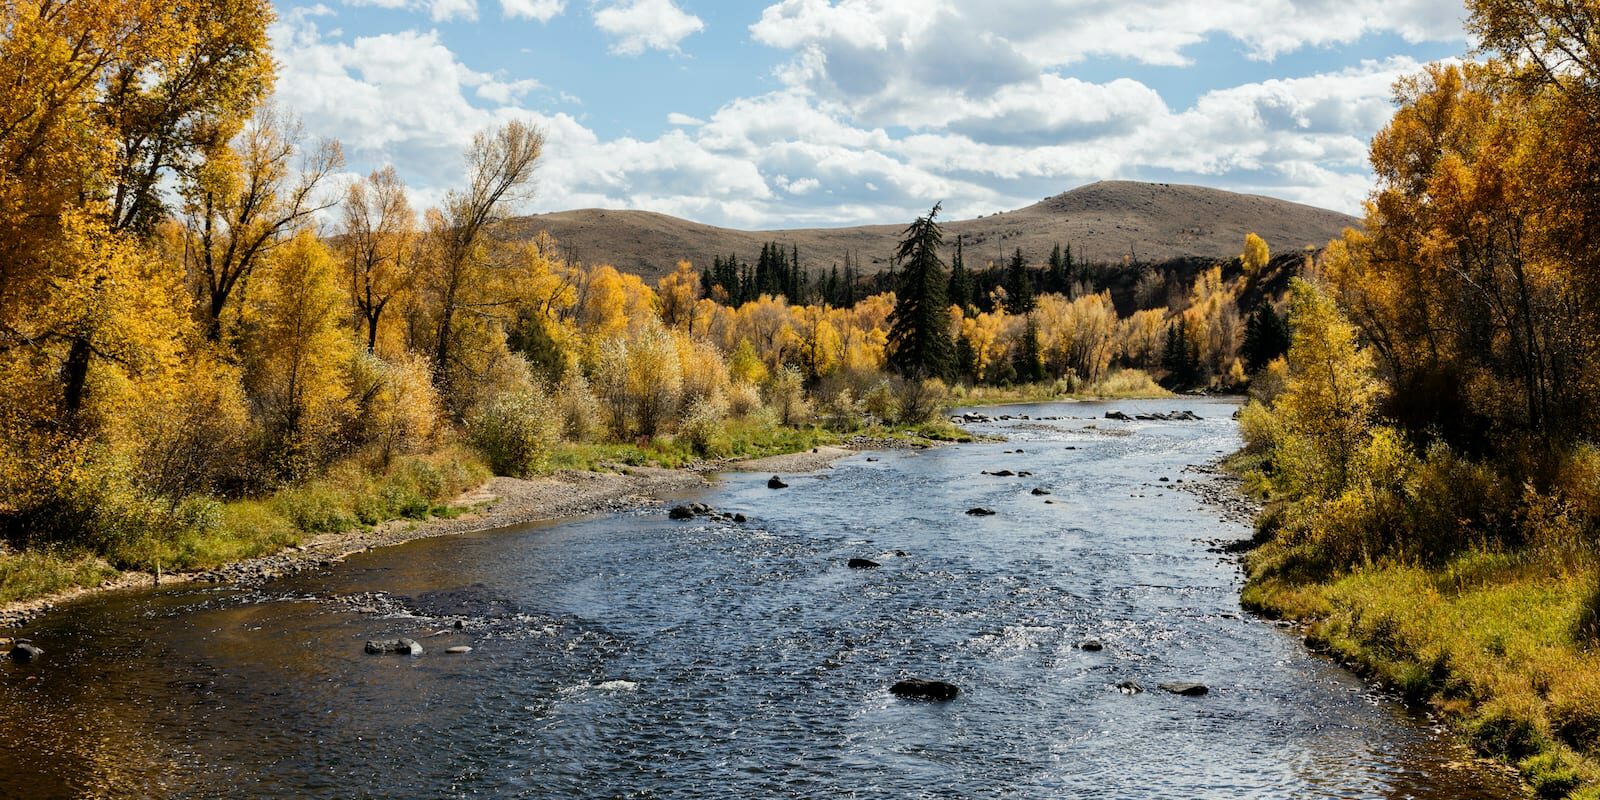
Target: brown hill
x=1106 y=222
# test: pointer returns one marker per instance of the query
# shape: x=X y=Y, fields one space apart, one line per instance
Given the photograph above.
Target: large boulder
x=919 y=689
x=774 y=483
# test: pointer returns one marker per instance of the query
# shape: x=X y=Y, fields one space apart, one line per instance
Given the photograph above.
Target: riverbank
x=498 y=503
x=1485 y=641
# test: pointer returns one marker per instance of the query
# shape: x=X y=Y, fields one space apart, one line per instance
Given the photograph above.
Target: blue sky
x=833 y=112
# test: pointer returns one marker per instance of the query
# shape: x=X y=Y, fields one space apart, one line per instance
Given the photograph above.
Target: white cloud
x=639 y=25
x=541 y=10
x=995 y=132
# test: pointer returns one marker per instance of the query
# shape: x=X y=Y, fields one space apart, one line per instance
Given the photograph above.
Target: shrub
x=743 y=399
x=516 y=432
x=786 y=395
x=703 y=428
x=881 y=403
x=921 y=401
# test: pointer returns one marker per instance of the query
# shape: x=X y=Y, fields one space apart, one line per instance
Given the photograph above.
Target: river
x=634 y=656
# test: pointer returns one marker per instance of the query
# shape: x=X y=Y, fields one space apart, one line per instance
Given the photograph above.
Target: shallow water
x=633 y=656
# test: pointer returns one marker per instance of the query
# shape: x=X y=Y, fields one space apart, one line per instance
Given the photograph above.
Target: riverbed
x=629 y=655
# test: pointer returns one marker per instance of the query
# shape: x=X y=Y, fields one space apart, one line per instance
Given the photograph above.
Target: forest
x=215 y=341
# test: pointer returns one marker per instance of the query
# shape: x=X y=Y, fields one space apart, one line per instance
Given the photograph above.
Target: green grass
x=1128 y=384
x=1487 y=639
x=35 y=573
x=204 y=533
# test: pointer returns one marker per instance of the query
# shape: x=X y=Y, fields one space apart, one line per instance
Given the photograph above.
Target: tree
x=378 y=247
x=1019 y=285
x=678 y=292
x=500 y=167
x=1266 y=337
x=960 y=280
x=919 y=336
x=1255 y=255
x=245 y=199
x=1028 y=360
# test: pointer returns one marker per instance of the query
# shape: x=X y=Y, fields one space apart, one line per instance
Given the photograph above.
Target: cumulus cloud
x=541 y=10
x=996 y=121
x=639 y=25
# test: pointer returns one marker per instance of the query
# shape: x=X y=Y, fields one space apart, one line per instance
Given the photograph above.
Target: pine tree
x=1266 y=337
x=1028 y=361
x=1019 y=285
x=919 y=337
x=960 y=280
x=1060 y=271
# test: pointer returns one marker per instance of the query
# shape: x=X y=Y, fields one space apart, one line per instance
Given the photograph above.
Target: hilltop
x=1108 y=221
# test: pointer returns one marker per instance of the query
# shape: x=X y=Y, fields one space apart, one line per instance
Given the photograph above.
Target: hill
x=1108 y=222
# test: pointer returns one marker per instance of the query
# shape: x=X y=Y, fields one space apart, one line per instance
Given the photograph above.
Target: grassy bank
x=1492 y=640
x=1129 y=384
x=205 y=533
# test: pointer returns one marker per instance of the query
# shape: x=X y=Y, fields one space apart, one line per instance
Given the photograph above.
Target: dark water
x=631 y=656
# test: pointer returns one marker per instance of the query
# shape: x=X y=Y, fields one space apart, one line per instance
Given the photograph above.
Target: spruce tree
x=1019 y=285
x=1028 y=361
x=960 y=280
x=1060 y=274
x=919 y=336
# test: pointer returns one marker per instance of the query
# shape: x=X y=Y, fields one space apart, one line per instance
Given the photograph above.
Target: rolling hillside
x=1106 y=222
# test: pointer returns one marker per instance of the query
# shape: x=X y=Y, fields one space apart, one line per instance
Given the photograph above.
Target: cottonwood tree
x=379 y=247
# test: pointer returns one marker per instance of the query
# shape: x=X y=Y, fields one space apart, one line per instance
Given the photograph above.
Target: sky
x=805 y=113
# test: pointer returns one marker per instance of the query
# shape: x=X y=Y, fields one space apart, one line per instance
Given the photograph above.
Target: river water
x=633 y=656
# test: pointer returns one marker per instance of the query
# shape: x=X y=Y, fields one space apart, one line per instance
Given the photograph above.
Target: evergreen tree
x=1028 y=361
x=1060 y=272
x=1019 y=285
x=919 y=337
x=1266 y=336
x=960 y=280
x=1181 y=358
x=966 y=360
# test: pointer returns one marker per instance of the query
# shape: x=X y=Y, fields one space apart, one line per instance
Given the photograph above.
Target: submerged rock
x=25 y=652
x=402 y=646
x=739 y=518
x=1040 y=491
x=919 y=689
x=980 y=512
x=1186 y=689
x=862 y=563
x=1000 y=473
x=1130 y=687
x=1091 y=645
x=774 y=483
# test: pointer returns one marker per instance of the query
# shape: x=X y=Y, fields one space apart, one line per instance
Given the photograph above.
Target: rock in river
x=1185 y=689
x=862 y=563
x=980 y=512
x=1091 y=645
x=1038 y=492
x=919 y=689
x=402 y=646
x=774 y=483
x=25 y=652
x=680 y=512
x=1130 y=687
x=458 y=650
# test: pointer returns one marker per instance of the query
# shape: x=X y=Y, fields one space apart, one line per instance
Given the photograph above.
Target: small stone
x=25 y=652
x=1130 y=687
x=1039 y=492
x=1091 y=645
x=739 y=518
x=919 y=689
x=1186 y=689
x=862 y=563
x=980 y=512
x=458 y=650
